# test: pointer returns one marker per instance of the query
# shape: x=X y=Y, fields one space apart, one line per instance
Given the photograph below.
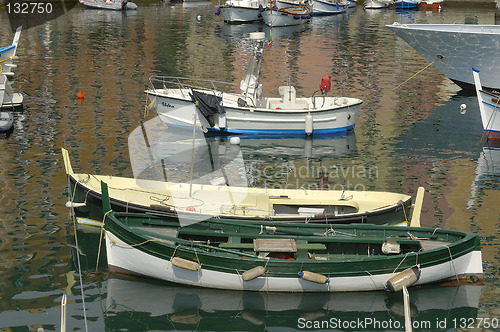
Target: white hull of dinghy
x=125 y=258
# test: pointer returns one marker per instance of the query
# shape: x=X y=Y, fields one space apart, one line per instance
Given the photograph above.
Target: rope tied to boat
x=439 y=57
x=453 y=264
x=100 y=240
x=330 y=231
x=394 y=271
x=404 y=211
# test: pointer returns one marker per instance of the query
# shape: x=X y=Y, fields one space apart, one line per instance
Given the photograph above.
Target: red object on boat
x=326 y=83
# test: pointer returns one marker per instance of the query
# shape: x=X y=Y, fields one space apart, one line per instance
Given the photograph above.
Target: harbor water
x=410 y=133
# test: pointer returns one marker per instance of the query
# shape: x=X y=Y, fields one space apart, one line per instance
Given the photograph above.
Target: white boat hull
x=108 y=4
x=489 y=107
x=125 y=258
x=278 y=18
x=376 y=4
x=240 y=11
x=462 y=46
x=240 y=14
x=322 y=7
x=340 y=117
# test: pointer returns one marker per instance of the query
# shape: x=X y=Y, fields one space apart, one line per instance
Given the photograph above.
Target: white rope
x=400 y=263
x=453 y=264
x=78 y=261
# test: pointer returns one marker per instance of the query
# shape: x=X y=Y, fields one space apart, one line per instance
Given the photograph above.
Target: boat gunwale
x=356 y=102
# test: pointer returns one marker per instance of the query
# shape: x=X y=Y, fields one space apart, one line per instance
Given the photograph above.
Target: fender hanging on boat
x=253 y=273
x=185 y=264
x=309 y=124
x=405 y=278
x=314 y=277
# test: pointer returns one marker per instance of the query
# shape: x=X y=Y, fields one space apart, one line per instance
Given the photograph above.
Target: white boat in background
x=328 y=7
x=377 y=4
x=489 y=107
x=181 y=102
x=109 y=4
x=240 y=11
x=286 y=16
x=8 y=55
x=455 y=48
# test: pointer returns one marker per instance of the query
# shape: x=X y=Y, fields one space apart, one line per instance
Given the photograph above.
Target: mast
x=249 y=85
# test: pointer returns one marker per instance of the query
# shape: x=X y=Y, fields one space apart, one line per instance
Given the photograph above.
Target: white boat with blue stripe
x=217 y=108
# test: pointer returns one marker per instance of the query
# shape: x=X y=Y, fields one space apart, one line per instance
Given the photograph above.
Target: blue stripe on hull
x=271 y=132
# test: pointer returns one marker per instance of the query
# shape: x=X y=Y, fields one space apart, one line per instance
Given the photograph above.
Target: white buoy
x=222 y=121
x=463 y=109
x=198 y=17
x=235 y=140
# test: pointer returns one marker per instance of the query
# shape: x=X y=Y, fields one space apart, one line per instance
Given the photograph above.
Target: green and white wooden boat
x=182 y=201
x=287 y=257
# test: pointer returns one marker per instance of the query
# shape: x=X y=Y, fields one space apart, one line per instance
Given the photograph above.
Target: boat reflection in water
x=487 y=170
x=158 y=152
x=133 y=303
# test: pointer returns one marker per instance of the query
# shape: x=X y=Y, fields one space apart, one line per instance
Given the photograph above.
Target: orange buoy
x=191 y=208
x=80 y=95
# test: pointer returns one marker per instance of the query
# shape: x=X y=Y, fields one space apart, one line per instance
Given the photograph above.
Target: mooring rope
x=404 y=211
x=394 y=271
x=79 y=264
x=430 y=64
x=100 y=241
x=453 y=264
